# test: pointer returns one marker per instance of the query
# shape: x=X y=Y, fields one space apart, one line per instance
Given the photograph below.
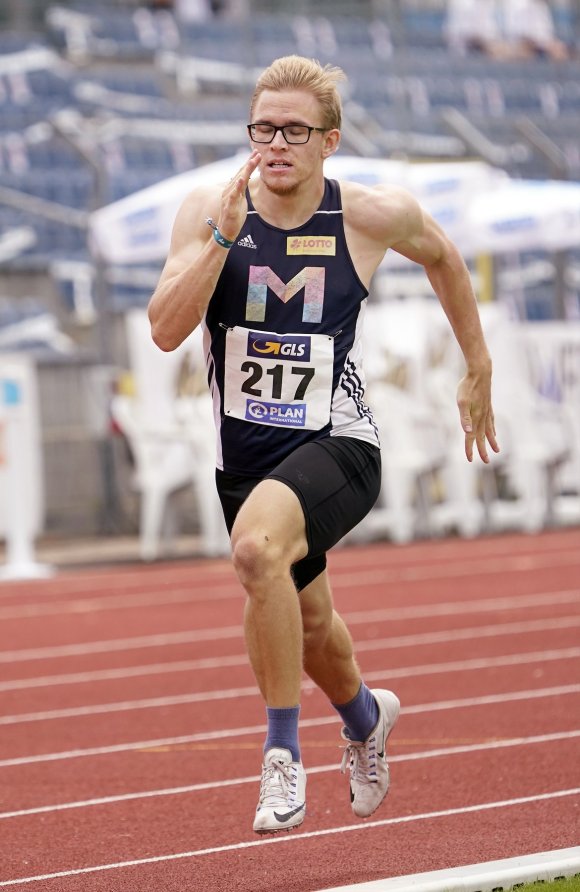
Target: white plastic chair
x=534 y=434
x=171 y=436
x=397 y=339
x=412 y=453
x=411 y=342
x=464 y=485
x=552 y=350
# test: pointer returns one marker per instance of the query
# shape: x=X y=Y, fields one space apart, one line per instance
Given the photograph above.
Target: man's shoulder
x=382 y=203
x=202 y=193
x=201 y=202
x=353 y=191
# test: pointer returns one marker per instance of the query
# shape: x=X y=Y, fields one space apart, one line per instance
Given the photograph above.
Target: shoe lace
x=361 y=758
x=276 y=778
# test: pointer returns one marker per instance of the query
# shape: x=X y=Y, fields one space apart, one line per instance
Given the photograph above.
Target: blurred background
x=109 y=111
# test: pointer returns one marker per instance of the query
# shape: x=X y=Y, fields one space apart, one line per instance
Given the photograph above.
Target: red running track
x=131 y=727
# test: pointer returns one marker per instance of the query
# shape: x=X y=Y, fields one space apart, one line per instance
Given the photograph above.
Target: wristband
x=220 y=239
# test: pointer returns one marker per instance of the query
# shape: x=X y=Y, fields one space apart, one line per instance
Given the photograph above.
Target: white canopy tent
x=137 y=228
x=526 y=215
x=480 y=207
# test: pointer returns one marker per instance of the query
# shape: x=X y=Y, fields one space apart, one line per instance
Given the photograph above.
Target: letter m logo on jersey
x=311 y=279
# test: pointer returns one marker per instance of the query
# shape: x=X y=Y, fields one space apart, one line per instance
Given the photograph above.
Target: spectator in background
x=203 y=10
x=503 y=29
x=530 y=31
x=472 y=26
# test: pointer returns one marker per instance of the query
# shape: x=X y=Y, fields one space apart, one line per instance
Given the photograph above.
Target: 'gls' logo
x=292 y=347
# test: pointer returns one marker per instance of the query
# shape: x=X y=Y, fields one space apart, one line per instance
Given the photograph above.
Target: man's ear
x=331 y=143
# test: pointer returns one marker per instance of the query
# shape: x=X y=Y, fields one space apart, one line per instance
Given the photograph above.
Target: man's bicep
x=406 y=227
x=425 y=242
x=187 y=240
x=190 y=231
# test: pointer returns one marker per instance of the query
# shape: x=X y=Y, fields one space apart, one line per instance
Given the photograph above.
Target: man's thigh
x=336 y=482
x=235 y=491
x=274 y=511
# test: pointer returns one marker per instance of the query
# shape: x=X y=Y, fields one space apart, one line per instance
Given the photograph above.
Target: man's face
x=285 y=167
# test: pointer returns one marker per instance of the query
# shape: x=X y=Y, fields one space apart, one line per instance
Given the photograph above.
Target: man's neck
x=286 y=211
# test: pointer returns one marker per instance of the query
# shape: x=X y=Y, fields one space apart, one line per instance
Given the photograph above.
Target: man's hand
x=234 y=206
x=476 y=414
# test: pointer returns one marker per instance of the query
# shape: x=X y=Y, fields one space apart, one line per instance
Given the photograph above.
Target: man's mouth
x=279 y=165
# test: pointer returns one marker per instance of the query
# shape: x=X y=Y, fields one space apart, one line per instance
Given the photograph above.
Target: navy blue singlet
x=282 y=340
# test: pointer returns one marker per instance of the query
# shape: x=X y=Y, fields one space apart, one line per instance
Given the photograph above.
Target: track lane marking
x=223 y=733
x=289 y=838
x=476 y=664
x=364 y=646
x=315 y=769
x=359 y=617
x=379 y=555
x=341 y=579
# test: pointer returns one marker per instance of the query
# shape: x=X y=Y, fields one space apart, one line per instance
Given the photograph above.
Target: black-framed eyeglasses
x=294 y=134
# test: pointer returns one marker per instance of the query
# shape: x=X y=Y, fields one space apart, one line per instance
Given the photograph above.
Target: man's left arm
x=425 y=243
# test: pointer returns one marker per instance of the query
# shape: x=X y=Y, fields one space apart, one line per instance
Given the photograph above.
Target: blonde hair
x=298 y=73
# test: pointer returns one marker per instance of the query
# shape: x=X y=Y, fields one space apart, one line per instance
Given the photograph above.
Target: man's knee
x=254 y=555
x=268 y=535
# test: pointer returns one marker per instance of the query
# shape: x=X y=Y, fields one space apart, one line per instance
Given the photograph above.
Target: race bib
x=278 y=380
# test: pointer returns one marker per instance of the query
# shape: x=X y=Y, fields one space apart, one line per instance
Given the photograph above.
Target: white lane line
x=568 y=653
x=314 y=769
x=541 y=656
x=490 y=876
x=459 y=608
x=444 y=636
x=23 y=684
x=297 y=837
x=478 y=567
x=158 y=598
x=380 y=577
x=359 y=617
x=115 y=645
x=378 y=555
x=225 y=733
x=83 y=579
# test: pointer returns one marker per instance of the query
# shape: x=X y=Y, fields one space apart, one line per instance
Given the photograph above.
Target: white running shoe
x=282 y=804
x=369 y=772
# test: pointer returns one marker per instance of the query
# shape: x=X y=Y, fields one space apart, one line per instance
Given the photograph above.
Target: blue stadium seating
x=399 y=69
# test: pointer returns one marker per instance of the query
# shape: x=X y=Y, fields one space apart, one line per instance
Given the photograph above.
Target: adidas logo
x=247 y=242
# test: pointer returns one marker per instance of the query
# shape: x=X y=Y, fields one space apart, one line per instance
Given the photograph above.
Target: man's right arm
x=195 y=258
x=189 y=276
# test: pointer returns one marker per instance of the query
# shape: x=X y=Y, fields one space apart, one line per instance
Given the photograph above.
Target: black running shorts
x=337 y=480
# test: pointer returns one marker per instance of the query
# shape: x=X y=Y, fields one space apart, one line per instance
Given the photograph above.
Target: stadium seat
x=413 y=452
